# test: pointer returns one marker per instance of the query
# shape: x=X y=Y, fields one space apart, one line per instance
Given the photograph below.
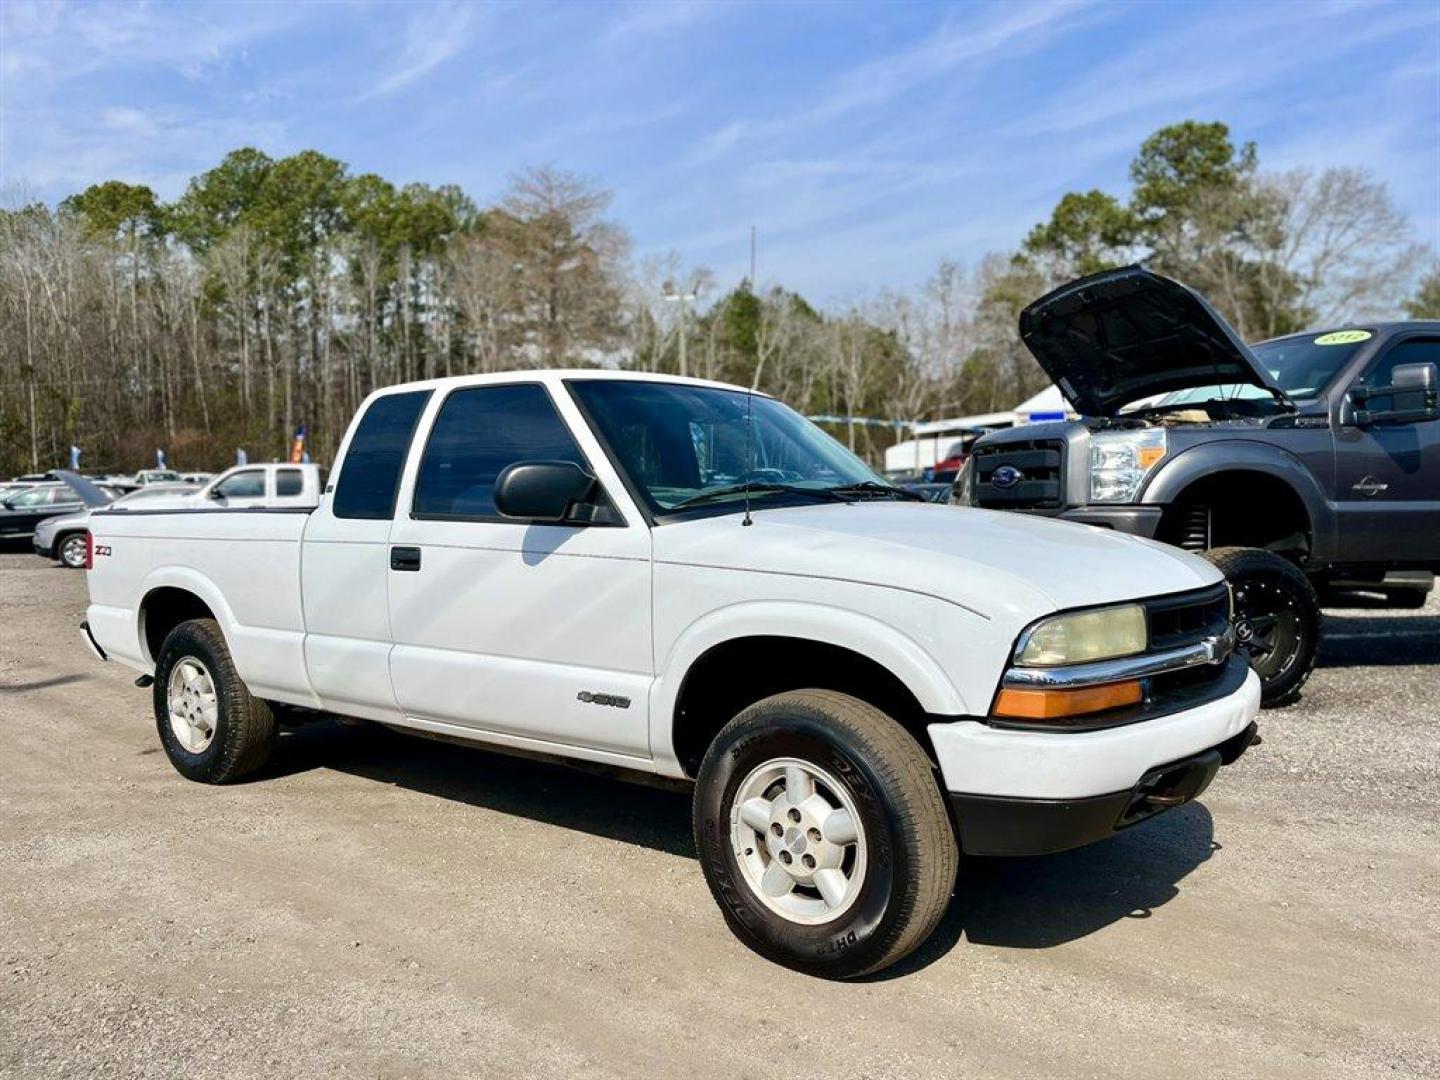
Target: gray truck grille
x=1039 y=484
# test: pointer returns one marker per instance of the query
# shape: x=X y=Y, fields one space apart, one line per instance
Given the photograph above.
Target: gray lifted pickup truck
x=1301 y=462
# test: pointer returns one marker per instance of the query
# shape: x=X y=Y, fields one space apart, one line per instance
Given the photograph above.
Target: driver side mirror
x=551 y=492
x=1413 y=395
x=216 y=494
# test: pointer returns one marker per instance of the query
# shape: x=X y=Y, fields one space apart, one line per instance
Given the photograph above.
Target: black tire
x=1277 y=619
x=912 y=852
x=67 y=553
x=245 y=730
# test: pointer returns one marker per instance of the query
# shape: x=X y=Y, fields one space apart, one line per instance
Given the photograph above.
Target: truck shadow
x=1030 y=903
x=1048 y=900
x=1387 y=640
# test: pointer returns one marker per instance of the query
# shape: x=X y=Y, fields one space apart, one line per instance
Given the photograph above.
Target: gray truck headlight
x=964 y=493
x=1120 y=461
x=1082 y=636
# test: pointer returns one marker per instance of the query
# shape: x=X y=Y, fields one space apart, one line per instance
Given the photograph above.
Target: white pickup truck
x=683 y=578
x=273 y=484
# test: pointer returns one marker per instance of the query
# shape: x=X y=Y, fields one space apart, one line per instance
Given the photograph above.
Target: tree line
x=279 y=292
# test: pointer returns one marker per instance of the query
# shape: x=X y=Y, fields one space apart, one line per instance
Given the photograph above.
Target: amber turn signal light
x=1053 y=704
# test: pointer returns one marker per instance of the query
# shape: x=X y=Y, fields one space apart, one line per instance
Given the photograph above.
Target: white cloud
x=435 y=34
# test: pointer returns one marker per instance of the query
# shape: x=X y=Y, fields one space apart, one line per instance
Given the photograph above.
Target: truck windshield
x=1303 y=364
x=677 y=442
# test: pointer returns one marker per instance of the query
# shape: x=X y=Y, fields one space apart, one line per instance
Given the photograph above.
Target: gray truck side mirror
x=1413 y=395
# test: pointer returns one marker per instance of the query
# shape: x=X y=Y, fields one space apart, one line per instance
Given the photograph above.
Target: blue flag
x=159 y=458
x=74 y=458
x=241 y=458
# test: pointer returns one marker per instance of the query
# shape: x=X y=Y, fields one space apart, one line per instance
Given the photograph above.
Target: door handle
x=404 y=558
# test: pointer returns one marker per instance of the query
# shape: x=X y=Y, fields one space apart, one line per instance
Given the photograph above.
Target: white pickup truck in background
x=273 y=484
x=683 y=578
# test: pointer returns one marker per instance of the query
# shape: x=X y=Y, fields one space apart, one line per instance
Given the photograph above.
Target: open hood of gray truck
x=1122 y=335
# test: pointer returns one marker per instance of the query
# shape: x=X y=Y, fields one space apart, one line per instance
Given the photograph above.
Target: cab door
x=525 y=633
x=1388 y=474
x=344 y=561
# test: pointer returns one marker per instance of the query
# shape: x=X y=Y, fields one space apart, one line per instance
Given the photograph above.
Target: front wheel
x=823 y=835
x=1277 y=619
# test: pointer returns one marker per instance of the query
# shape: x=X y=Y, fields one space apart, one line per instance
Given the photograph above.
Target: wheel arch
x=1252 y=474
x=172 y=596
x=787 y=646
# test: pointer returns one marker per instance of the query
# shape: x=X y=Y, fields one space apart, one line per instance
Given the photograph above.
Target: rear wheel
x=212 y=728
x=823 y=834
x=70 y=550
x=1277 y=619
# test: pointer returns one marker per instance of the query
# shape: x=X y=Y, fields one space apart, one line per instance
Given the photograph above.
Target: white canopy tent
x=1048 y=404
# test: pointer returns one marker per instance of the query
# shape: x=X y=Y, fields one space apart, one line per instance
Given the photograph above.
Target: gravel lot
x=381 y=906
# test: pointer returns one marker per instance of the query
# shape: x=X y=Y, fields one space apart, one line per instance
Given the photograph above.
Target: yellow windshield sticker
x=1343 y=337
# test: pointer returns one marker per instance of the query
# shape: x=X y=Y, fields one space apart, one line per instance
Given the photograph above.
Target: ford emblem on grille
x=1006 y=476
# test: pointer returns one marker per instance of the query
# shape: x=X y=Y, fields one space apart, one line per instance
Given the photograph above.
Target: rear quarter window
x=370 y=473
x=289 y=482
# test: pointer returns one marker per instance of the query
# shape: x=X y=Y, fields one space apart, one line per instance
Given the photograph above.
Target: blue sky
x=865 y=141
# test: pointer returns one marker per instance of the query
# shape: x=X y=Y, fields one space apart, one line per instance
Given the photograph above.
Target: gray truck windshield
x=1303 y=365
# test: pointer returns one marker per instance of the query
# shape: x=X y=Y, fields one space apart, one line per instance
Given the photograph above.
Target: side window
x=1414 y=351
x=34 y=497
x=370 y=473
x=478 y=432
x=249 y=484
x=288 y=482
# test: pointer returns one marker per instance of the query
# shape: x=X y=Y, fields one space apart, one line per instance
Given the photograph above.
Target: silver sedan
x=63 y=538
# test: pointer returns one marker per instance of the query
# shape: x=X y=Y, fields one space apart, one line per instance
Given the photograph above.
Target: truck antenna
x=749 y=456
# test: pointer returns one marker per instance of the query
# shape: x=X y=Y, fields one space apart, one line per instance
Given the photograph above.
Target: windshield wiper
x=823 y=494
x=868 y=487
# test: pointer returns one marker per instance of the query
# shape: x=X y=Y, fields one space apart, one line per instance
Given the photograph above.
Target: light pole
x=681 y=297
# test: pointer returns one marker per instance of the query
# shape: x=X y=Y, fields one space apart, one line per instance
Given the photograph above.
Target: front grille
x=1187 y=618
x=1040 y=464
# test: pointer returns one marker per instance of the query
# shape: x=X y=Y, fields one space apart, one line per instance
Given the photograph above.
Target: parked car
x=274 y=485
x=22 y=511
x=196 y=477
x=1305 y=460
x=62 y=538
x=146 y=477
x=859 y=684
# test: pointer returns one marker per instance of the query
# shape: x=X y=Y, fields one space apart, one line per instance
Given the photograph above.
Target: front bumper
x=998 y=825
x=1028 y=792
x=45 y=551
x=1135 y=520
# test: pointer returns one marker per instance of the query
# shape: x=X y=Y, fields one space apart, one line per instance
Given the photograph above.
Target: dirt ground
x=379 y=906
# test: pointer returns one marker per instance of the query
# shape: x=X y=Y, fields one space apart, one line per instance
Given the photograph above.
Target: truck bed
x=244 y=563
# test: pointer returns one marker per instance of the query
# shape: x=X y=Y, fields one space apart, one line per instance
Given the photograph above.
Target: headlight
x=1084 y=636
x=1120 y=461
x=964 y=485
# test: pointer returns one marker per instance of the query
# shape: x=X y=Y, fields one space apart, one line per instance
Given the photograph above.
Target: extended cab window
x=480 y=431
x=243 y=485
x=370 y=474
x=288 y=482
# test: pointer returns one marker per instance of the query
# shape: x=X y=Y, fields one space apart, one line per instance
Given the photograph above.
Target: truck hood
x=995 y=564
x=1118 y=336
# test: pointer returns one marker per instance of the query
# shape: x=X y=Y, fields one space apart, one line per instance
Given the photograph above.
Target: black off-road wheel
x=212 y=728
x=1277 y=619
x=823 y=834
